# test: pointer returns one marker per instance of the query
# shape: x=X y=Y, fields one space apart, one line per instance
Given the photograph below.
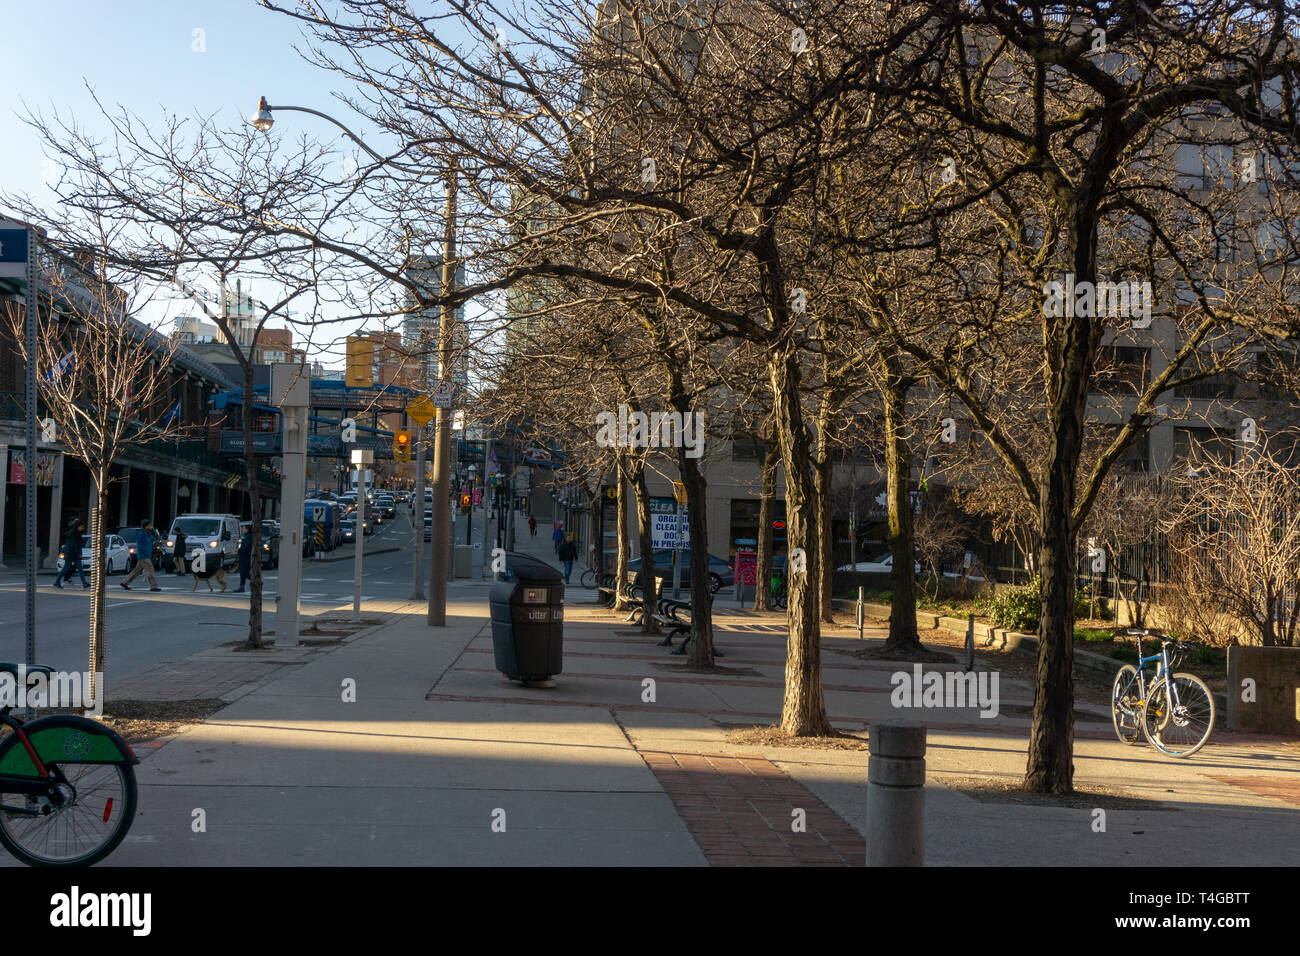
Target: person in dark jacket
x=557 y=536
x=245 y=560
x=532 y=526
x=72 y=556
x=568 y=552
x=178 y=551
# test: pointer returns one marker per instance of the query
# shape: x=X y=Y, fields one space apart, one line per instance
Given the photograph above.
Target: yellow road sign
x=421 y=411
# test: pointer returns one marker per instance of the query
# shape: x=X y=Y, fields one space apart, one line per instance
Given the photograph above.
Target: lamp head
x=262 y=120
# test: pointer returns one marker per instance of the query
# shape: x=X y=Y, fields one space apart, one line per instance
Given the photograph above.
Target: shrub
x=1016 y=609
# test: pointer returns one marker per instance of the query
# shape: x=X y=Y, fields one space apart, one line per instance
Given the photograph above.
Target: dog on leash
x=202 y=572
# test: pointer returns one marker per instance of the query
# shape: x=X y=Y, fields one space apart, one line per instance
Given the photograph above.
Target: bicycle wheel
x=589 y=579
x=1126 y=706
x=98 y=807
x=1181 y=730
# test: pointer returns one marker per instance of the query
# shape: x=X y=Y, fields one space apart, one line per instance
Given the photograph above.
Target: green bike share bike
x=67 y=786
x=1173 y=712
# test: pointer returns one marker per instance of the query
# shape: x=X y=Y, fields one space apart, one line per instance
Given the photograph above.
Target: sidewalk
x=438 y=747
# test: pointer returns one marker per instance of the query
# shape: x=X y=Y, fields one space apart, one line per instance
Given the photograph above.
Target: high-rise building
x=420 y=327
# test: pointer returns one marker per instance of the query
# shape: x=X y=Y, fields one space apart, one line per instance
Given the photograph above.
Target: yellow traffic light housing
x=465 y=501
x=402 y=446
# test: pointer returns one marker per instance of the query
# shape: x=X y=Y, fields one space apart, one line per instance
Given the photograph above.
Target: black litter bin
x=527 y=605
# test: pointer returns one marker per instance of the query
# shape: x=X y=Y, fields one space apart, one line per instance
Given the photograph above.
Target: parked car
x=217 y=535
x=721 y=573
x=120 y=554
x=884 y=564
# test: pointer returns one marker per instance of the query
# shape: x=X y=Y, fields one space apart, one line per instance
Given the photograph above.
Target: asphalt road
x=145 y=628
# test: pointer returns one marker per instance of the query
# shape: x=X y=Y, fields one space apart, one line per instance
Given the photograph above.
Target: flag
x=63 y=365
x=173 y=414
x=492 y=466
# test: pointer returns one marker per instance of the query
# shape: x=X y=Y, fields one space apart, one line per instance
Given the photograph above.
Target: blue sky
x=152 y=57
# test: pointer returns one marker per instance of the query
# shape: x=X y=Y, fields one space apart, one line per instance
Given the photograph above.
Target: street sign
x=421 y=410
x=443 y=394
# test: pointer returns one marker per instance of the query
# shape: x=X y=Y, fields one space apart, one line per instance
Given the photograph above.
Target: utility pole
x=438 y=560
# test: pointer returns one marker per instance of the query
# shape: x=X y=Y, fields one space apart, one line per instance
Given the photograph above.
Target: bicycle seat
x=8 y=668
x=1136 y=632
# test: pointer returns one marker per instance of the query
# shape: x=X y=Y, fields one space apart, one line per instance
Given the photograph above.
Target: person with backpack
x=143 y=557
x=72 y=556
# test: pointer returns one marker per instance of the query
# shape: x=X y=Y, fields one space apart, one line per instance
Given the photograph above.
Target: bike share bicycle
x=67 y=786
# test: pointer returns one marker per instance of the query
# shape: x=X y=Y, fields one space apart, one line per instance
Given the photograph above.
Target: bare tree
x=1237 y=538
x=104 y=377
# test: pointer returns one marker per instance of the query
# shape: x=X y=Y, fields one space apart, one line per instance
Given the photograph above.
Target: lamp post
x=439 y=564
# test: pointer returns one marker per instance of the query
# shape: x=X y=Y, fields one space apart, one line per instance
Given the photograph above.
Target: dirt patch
x=988 y=790
x=749 y=735
x=140 y=720
x=924 y=656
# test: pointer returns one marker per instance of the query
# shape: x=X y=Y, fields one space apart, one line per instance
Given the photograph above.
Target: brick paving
x=740 y=810
x=1274 y=788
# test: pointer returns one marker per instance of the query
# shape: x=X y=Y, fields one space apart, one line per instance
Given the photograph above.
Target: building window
x=1122 y=368
x=1194 y=446
x=746 y=449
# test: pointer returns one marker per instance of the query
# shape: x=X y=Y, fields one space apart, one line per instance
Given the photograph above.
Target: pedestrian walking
x=245 y=560
x=72 y=556
x=557 y=536
x=178 y=551
x=532 y=526
x=143 y=557
x=568 y=552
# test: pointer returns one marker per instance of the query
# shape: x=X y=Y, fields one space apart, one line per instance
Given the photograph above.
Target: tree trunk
x=763 y=583
x=824 y=515
x=647 y=579
x=1050 y=767
x=98 y=655
x=701 y=644
x=903 y=637
x=251 y=470
x=620 y=571
x=803 y=711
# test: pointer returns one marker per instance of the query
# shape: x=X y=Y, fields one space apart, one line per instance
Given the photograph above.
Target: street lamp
x=263 y=119
x=440 y=564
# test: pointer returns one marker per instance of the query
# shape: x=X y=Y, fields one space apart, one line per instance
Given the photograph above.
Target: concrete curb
x=345 y=553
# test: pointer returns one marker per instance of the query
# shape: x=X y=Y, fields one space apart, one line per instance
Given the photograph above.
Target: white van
x=218 y=535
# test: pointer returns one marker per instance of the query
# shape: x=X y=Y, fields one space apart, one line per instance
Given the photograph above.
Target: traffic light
x=402 y=446
x=465 y=501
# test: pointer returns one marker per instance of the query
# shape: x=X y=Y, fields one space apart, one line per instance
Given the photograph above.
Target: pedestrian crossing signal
x=402 y=446
x=465 y=503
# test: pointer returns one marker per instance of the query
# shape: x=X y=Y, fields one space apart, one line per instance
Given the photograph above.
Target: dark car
x=270 y=542
x=721 y=573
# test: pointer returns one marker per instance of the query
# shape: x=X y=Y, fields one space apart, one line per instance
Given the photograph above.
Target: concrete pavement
x=401 y=745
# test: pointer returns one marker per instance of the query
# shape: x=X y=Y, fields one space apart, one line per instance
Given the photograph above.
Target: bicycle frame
x=42 y=786
x=1162 y=670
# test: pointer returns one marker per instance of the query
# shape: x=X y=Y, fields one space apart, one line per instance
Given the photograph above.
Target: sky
x=152 y=57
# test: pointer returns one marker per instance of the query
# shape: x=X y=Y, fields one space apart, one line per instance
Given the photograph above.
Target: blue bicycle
x=1174 y=712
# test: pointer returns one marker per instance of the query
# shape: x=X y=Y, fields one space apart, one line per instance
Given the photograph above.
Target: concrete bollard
x=896 y=794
